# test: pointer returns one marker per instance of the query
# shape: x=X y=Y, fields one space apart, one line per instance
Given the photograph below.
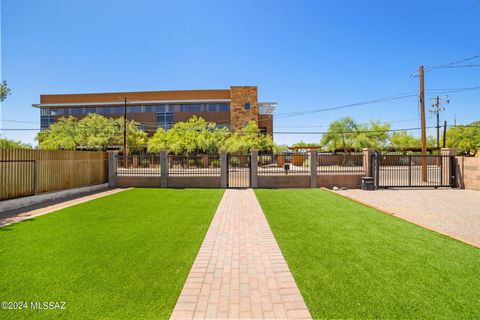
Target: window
x=246 y=105
x=165 y=120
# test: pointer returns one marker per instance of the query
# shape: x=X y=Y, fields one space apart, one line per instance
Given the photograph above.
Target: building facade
x=231 y=108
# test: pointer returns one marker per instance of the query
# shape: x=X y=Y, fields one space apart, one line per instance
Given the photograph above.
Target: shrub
x=215 y=163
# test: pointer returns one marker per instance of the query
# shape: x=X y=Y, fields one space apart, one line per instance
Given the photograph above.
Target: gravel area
x=453 y=212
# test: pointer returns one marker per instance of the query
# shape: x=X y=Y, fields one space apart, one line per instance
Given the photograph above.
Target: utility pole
x=437 y=107
x=125 y=146
x=445 y=134
x=423 y=124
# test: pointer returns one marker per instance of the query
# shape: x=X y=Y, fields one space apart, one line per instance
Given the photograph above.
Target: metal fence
x=413 y=170
x=194 y=165
x=283 y=164
x=335 y=163
x=138 y=165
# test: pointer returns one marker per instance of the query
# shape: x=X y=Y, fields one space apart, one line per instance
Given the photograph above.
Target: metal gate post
x=377 y=171
x=223 y=170
x=453 y=170
x=409 y=170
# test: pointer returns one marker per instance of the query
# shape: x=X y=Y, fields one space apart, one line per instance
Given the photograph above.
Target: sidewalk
x=239 y=271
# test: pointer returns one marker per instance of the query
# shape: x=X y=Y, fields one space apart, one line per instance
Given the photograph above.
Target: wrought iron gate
x=239 y=171
x=394 y=170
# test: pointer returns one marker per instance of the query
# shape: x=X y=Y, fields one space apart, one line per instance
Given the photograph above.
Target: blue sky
x=301 y=54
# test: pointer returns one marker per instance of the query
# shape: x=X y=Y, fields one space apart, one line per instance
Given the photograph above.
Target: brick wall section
x=239 y=116
x=193 y=182
x=468 y=173
x=137 y=181
x=351 y=181
x=284 y=181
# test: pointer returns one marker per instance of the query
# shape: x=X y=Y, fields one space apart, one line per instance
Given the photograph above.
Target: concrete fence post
x=367 y=163
x=112 y=168
x=223 y=169
x=163 y=169
x=313 y=168
x=254 y=168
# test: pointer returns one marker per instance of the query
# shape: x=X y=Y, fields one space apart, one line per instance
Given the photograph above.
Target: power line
x=350 y=105
x=453 y=90
x=348 y=132
x=460 y=66
x=454 y=62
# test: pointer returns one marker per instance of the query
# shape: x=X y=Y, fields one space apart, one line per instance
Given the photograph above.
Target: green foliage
x=248 y=138
x=63 y=134
x=191 y=137
x=466 y=139
x=4 y=91
x=347 y=134
x=341 y=134
x=302 y=143
x=199 y=136
x=279 y=148
x=94 y=131
x=11 y=144
x=403 y=140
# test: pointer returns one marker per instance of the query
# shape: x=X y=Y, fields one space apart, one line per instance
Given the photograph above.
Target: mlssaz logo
x=46 y=305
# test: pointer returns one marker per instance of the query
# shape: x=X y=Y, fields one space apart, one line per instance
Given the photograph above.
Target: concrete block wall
x=468 y=173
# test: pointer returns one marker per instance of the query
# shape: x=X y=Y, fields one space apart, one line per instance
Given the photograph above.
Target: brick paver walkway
x=240 y=271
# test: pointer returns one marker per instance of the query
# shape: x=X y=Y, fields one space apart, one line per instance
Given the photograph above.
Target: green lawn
x=351 y=261
x=125 y=256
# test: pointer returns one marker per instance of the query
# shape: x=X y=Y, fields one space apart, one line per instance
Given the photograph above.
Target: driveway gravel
x=453 y=212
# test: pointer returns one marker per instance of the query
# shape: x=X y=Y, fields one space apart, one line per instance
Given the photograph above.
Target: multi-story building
x=232 y=108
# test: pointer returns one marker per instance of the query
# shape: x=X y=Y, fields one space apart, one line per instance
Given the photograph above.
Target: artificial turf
x=124 y=256
x=352 y=261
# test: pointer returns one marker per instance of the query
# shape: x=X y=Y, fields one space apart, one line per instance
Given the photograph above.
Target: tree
x=92 y=132
x=158 y=142
x=341 y=134
x=11 y=144
x=190 y=137
x=63 y=134
x=466 y=139
x=279 y=148
x=199 y=136
x=97 y=132
x=4 y=91
x=248 y=138
x=375 y=135
x=403 y=140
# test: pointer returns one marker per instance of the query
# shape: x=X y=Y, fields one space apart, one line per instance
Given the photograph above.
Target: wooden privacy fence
x=25 y=172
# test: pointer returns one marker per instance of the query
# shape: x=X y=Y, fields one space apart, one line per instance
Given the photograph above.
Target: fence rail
x=25 y=172
x=413 y=170
x=142 y=165
x=333 y=163
x=194 y=165
x=284 y=163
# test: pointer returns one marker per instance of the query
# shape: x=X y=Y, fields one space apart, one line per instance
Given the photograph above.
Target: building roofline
x=130 y=103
